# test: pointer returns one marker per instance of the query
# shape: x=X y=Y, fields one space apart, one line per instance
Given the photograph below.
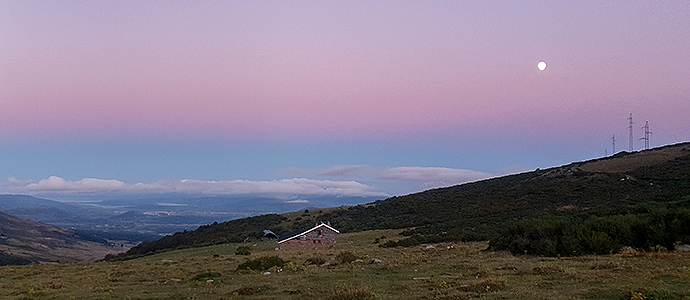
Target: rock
x=628 y=252
x=430 y=247
x=682 y=248
x=376 y=261
x=267 y=273
x=358 y=261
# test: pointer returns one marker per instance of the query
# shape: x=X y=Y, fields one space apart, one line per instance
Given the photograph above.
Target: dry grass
x=451 y=271
x=635 y=160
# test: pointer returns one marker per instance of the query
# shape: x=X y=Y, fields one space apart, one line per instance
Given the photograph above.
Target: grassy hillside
x=23 y=242
x=356 y=268
x=624 y=184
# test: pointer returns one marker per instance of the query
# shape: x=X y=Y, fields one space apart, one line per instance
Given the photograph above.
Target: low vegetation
x=458 y=270
x=243 y=250
x=7 y=259
x=262 y=263
x=573 y=236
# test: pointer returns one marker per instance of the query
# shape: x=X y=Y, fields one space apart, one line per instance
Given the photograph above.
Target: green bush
x=315 y=261
x=262 y=263
x=594 y=235
x=7 y=260
x=345 y=257
x=207 y=276
x=362 y=293
x=243 y=250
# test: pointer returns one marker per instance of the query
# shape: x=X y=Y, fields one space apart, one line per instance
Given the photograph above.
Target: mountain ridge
x=620 y=184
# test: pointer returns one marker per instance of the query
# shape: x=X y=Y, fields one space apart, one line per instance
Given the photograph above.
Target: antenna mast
x=646 y=135
x=613 y=144
x=630 y=131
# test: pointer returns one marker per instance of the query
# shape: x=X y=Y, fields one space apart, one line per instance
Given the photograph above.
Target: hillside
x=625 y=183
x=356 y=268
x=23 y=241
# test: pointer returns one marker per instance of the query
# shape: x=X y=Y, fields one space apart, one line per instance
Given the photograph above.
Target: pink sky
x=344 y=71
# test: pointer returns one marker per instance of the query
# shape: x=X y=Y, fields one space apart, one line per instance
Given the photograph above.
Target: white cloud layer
x=397 y=180
x=433 y=177
x=355 y=170
x=284 y=187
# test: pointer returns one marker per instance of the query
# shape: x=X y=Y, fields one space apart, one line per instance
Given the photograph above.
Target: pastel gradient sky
x=341 y=98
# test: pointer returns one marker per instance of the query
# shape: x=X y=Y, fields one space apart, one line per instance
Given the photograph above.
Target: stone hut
x=319 y=235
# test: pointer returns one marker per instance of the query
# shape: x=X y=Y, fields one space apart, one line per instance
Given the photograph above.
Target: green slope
x=625 y=183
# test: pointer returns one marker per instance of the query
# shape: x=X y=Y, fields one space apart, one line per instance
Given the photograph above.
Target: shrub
x=207 y=276
x=345 y=257
x=243 y=250
x=362 y=293
x=315 y=261
x=7 y=260
x=594 y=235
x=262 y=263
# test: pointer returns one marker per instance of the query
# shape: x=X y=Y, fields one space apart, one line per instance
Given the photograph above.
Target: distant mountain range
x=136 y=218
x=23 y=242
x=625 y=183
x=100 y=227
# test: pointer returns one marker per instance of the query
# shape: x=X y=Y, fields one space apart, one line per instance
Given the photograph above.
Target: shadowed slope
x=24 y=241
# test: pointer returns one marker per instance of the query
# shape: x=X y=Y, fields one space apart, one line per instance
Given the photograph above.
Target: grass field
x=450 y=271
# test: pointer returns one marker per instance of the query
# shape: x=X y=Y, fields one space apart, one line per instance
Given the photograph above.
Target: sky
x=334 y=98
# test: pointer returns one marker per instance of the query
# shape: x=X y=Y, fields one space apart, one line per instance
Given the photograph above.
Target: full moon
x=541 y=65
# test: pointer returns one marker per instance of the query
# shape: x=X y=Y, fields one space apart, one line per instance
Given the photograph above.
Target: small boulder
x=628 y=252
x=682 y=248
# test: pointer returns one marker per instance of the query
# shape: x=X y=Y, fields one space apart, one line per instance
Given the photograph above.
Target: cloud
x=432 y=177
x=299 y=201
x=295 y=186
x=398 y=180
x=276 y=188
x=344 y=170
x=86 y=185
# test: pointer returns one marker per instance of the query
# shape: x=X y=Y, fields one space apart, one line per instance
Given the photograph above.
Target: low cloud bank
x=284 y=187
x=433 y=176
x=353 y=181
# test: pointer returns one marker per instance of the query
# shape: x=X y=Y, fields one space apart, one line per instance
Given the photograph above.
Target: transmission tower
x=613 y=144
x=630 y=131
x=646 y=135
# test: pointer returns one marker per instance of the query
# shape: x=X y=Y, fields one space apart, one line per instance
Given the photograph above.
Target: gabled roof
x=310 y=230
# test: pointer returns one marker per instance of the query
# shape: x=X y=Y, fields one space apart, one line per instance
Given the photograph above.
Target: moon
x=541 y=65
